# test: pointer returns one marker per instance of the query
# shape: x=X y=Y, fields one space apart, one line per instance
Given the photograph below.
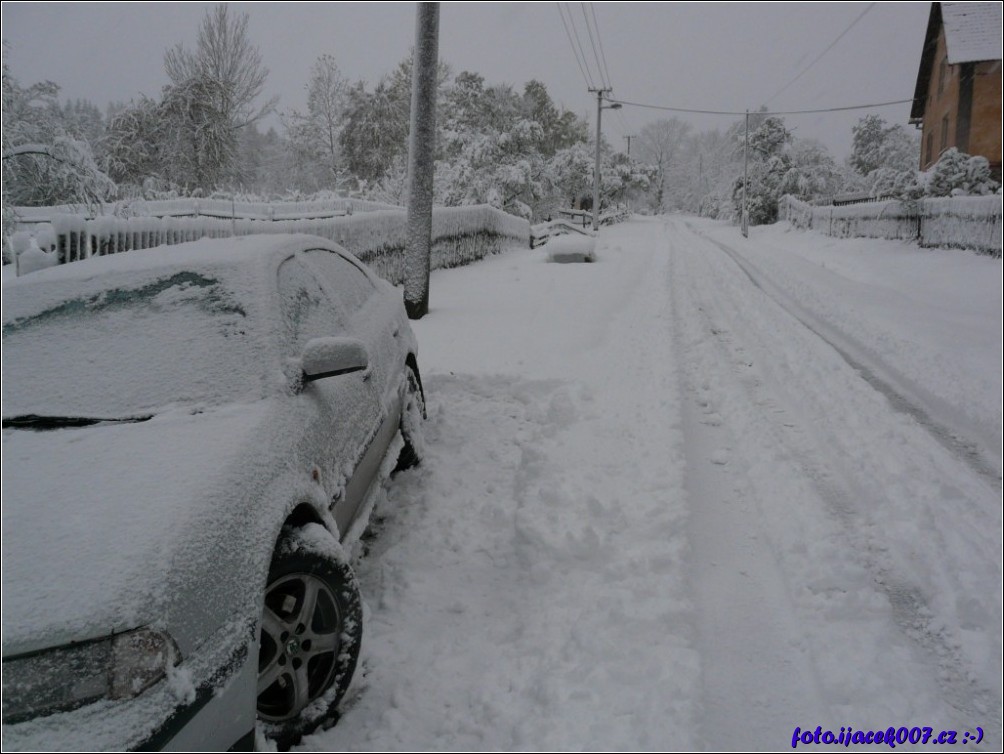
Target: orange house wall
x=938 y=106
x=985 y=132
x=985 y=123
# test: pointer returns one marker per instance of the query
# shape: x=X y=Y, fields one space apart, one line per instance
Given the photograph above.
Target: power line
x=582 y=49
x=592 y=42
x=820 y=55
x=762 y=112
x=603 y=54
x=585 y=78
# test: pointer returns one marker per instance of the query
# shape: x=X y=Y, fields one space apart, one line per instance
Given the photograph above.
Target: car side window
x=347 y=281
x=307 y=312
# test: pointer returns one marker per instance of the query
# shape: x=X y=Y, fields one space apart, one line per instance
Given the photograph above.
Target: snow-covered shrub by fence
x=961 y=222
x=460 y=235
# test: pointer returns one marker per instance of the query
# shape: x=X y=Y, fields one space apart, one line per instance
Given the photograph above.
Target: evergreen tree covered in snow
x=779 y=165
x=520 y=153
x=876 y=146
x=374 y=136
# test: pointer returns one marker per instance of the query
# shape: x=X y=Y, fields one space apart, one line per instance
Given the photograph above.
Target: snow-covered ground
x=697 y=494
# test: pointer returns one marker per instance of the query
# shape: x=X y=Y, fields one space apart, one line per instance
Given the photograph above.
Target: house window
x=930 y=148
x=942 y=76
x=944 y=133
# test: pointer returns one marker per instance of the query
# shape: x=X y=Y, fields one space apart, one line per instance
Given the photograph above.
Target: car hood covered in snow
x=96 y=519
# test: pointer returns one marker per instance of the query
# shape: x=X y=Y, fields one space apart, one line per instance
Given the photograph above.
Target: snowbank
x=960 y=222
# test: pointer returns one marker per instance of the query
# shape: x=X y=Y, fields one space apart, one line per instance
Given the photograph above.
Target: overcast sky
x=712 y=56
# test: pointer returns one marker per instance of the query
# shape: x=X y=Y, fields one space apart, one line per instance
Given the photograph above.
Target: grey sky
x=717 y=56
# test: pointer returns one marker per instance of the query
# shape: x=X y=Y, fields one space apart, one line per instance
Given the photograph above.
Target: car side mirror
x=330 y=357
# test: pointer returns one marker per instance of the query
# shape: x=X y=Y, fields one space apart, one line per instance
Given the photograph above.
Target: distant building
x=958 y=96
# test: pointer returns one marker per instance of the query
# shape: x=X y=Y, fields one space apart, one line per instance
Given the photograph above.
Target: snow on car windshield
x=179 y=338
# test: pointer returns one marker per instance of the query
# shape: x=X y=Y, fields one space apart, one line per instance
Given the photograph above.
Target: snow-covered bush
x=890 y=182
x=954 y=174
x=958 y=174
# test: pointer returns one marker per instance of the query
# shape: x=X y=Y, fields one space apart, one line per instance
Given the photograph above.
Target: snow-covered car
x=191 y=436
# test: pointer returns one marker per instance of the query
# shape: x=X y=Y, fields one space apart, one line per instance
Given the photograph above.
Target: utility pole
x=746 y=153
x=600 y=107
x=628 y=138
x=421 y=160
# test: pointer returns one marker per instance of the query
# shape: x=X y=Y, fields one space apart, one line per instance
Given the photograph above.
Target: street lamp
x=600 y=107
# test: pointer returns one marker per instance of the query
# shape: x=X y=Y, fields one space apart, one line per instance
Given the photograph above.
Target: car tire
x=310 y=635
x=412 y=416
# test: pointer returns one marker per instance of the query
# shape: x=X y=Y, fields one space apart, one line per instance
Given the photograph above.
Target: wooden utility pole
x=628 y=139
x=421 y=160
x=600 y=107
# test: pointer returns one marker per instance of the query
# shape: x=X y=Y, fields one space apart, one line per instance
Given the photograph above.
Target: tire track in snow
x=966 y=450
x=840 y=489
x=757 y=683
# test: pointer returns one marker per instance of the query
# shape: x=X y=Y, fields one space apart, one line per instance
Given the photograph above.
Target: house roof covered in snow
x=972 y=31
x=972 y=34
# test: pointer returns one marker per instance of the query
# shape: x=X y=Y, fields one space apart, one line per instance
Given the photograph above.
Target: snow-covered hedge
x=460 y=235
x=961 y=222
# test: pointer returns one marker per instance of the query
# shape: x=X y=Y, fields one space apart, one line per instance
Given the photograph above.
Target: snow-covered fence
x=460 y=235
x=221 y=209
x=962 y=222
x=542 y=231
x=972 y=222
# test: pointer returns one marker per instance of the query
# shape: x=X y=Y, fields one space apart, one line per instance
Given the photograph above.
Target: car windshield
x=127 y=351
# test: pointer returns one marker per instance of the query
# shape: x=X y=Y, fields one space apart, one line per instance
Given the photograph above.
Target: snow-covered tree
x=876 y=146
x=518 y=152
x=661 y=145
x=559 y=128
x=779 y=165
x=375 y=132
x=43 y=162
x=315 y=135
x=622 y=176
x=136 y=144
x=213 y=94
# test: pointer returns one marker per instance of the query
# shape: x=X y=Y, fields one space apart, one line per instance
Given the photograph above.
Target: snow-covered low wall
x=962 y=222
x=460 y=235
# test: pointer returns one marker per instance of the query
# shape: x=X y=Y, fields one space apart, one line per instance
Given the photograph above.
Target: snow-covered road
x=697 y=494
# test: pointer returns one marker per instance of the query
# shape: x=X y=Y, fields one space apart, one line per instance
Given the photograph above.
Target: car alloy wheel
x=311 y=631
x=300 y=635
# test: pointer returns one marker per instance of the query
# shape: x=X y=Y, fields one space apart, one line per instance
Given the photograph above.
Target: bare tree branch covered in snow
x=212 y=96
x=315 y=136
x=660 y=144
